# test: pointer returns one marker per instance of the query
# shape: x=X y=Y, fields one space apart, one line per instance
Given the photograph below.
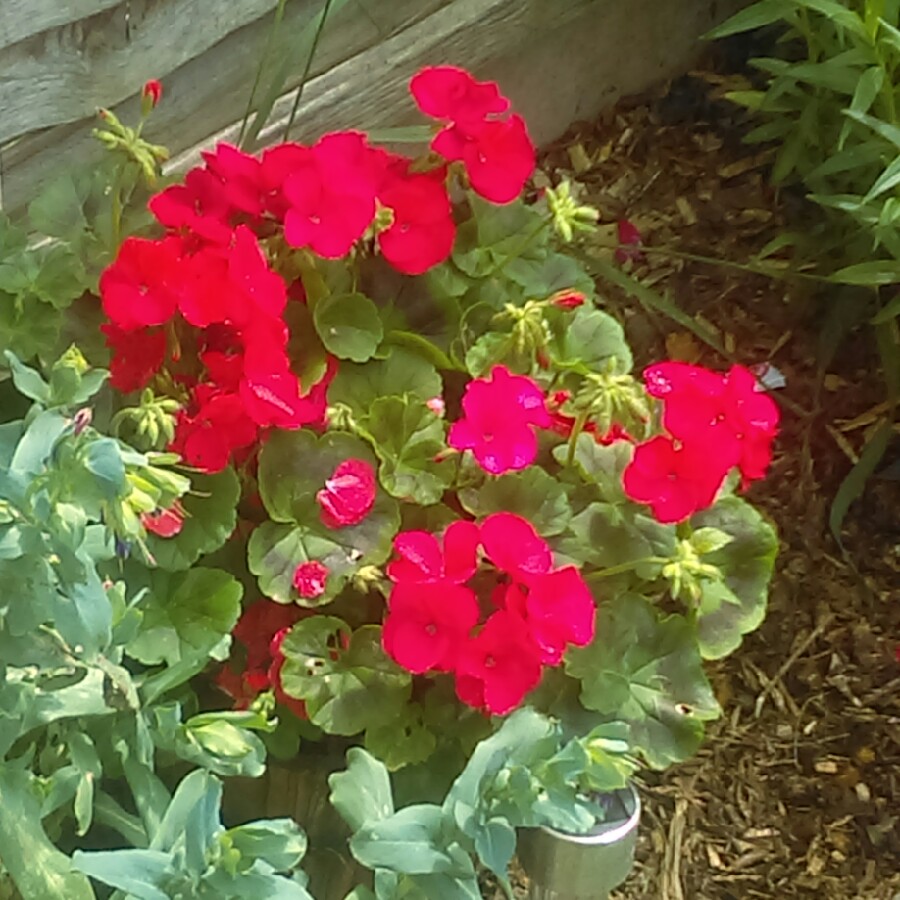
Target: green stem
x=577 y=428
x=306 y=68
x=429 y=350
x=116 y=212
x=626 y=567
x=270 y=43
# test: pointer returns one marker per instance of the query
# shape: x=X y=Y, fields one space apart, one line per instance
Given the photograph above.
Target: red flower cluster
x=714 y=422
x=206 y=292
x=433 y=614
x=501 y=413
x=164 y=523
x=260 y=630
x=492 y=144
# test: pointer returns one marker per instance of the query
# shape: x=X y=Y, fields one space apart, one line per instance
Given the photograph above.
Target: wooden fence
x=62 y=59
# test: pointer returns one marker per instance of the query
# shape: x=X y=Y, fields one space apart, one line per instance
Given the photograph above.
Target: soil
x=796 y=791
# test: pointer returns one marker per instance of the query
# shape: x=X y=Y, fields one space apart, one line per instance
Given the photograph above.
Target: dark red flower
x=500 y=415
x=136 y=356
x=630 y=241
x=310 y=578
x=427 y=624
x=499 y=666
x=297 y=707
x=676 y=480
x=349 y=495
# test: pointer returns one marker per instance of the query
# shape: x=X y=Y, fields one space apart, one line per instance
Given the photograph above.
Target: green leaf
x=838 y=13
x=279 y=843
x=36 y=866
x=403 y=372
x=608 y=535
x=588 y=340
x=755 y=16
x=599 y=464
x=275 y=550
x=746 y=563
x=293 y=468
x=867 y=89
x=103 y=459
x=28 y=327
x=869 y=274
x=210 y=516
x=348 y=325
x=645 y=669
x=186 y=615
x=28 y=381
x=407 y=436
x=532 y=494
x=404 y=740
x=361 y=793
x=413 y=841
x=345 y=690
x=144 y=874
x=854 y=483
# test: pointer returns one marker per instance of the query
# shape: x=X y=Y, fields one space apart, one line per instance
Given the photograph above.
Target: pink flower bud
x=310 y=578
x=436 y=405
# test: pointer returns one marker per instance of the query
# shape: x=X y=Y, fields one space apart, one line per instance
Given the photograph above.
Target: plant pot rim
x=601 y=834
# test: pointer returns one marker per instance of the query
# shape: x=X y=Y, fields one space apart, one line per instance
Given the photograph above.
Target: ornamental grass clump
x=414 y=498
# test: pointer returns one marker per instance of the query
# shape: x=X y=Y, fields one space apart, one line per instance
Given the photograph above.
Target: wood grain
x=206 y=93
x=20 y=19
x=65 y=74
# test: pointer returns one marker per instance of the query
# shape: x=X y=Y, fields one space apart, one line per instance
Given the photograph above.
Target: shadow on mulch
x=796 y=791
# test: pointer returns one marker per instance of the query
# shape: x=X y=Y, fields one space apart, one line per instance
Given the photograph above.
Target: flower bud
x=151 y=93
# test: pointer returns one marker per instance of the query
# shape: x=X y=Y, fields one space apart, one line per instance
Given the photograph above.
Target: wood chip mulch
x=797 y=790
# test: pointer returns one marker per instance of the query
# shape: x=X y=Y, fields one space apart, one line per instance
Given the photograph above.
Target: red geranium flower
x=498 y=667
x=422 y=233
x=422 y=560
x=495 y=147
x=513 y=545
x=500 y=415
x=559 y=610
x=568 y=299
x=220 y=426
x=198 y=206
x=427 y=624
x=331 y=194
x=137 y=287
x=349 y=495
x=676 y=480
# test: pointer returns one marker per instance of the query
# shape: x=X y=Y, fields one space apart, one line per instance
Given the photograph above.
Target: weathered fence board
x=558 y=59
x=21 y=18
x=205 y=93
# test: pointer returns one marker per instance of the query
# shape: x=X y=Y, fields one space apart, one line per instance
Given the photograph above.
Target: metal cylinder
x=563 y=866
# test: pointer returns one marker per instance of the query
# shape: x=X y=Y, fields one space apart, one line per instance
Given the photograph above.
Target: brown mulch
x=796 y=791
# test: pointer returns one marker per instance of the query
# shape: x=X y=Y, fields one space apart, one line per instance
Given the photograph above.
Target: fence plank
x=205 y=94
x=20 y=19
x=64 y=74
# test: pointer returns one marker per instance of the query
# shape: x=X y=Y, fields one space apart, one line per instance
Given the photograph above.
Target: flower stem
x=577 y=428
x=626 y=567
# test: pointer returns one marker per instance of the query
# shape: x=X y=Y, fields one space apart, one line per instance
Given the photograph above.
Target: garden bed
x=795 y=793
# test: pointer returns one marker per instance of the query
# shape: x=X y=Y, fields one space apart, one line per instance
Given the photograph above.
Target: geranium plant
x=392 y=409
